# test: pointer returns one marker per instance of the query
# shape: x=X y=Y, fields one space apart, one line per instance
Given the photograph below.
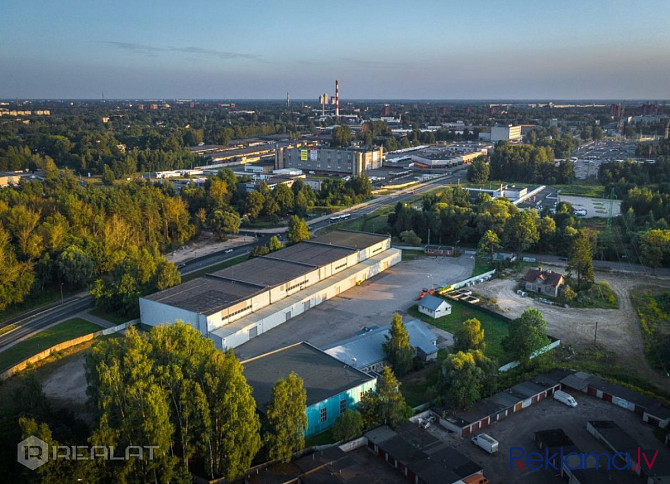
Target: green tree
x=386 y=405
x=286 y=418
x=525 y=335
x=274 y=244
x=580 y=259
x=108 y=176
x=167 y=274
x=297 y=230
x=348 y=425
x=397 y=348
x=478 y=171
x=462 y=380
x=283 y=195
x=521 y=231
x=342 y=136
x=75 y=266
x=223 y=223
x=254 y=203
x=470 y=336
x=171 y=387
x=232 y=438
x=654 y=247
x=410 y=237
x=489 y=244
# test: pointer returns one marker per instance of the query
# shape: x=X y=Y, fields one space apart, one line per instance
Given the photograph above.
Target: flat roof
x=263 y=271
x=355 y=240
x=312 y=253
x=205 y=295
x=323 y=375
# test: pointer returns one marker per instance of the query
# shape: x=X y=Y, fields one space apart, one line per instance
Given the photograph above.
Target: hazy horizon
x=427 y=50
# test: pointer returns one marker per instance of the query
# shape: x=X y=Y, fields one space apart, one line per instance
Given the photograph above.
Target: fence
x=458 y=285
x=61 y=346
x=541 y=351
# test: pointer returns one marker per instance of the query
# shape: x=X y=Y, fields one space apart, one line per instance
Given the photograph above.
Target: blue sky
x=467 y=49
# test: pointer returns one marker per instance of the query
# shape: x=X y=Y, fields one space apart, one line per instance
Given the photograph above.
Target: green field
x=72 y=328
x=495 y=329
x=592 y=191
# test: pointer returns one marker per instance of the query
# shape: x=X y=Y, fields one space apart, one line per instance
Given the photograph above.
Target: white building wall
x=154 y=313
x=311 y=298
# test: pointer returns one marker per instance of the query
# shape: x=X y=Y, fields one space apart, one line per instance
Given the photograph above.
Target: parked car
x=486 y=442
x=227 y=251
x=565 y=398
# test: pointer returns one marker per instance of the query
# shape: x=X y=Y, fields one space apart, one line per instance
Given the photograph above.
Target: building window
x=343 y=406
x=324 y=415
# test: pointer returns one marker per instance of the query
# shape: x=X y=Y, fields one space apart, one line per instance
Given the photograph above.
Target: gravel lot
x=595 y=207
x=618 y=329
x=370 y=304
x=518 y=430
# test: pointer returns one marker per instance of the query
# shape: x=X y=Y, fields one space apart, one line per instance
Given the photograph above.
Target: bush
x=348 y=426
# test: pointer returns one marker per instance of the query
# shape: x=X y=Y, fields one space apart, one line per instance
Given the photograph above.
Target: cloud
x=154 y=51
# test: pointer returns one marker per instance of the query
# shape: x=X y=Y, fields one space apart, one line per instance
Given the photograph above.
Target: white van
x=565 y=398
x=486 y=442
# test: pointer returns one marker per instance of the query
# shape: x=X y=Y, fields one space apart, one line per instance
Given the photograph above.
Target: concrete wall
x=352 y=397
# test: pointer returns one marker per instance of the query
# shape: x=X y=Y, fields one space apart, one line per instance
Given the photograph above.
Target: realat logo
x=579 y=460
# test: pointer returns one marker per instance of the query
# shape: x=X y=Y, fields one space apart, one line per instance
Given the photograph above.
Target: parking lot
x=592 y=155
x=595 y=207
x=518 y=430
x=370 y=304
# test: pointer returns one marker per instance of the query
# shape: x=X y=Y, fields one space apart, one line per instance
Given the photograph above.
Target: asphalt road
x=38 y=319
x=45 y=319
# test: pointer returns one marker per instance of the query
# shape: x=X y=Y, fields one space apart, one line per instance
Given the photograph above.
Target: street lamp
x=62 y=301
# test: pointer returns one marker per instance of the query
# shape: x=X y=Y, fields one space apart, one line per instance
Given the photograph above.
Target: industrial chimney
x=337 y=100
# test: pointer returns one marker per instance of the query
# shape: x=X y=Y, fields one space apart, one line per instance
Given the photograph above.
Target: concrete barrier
x=62 y=346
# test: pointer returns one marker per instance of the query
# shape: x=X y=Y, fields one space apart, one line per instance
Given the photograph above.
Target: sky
x=443 y=49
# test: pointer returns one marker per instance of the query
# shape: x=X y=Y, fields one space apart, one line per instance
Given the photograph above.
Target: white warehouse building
x=235 y=304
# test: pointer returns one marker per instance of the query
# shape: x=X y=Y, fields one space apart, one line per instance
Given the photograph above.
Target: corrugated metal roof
x=366 y=349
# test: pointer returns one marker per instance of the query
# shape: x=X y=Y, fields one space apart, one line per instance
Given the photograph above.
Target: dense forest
x=61 y=232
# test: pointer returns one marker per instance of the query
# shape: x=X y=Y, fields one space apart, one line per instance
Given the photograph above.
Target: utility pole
x=595 y=336
x=62 y=301
x=428 y=236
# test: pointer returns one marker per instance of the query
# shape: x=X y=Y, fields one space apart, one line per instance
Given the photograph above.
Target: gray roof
x=323 y=376
x=312 y=253
x=205 y=295
x=432 y=302
x=367 y=348
x=355 y=240
x=264 y=271
x=236 y=283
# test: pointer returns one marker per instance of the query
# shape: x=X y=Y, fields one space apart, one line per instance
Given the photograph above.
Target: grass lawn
x=495 y=329
x=323 y=438
x=72 y=328
x=593 y=191
x=214 y=268
x=481 y=267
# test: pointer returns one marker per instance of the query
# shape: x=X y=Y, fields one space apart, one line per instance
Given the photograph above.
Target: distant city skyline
x=392 y=50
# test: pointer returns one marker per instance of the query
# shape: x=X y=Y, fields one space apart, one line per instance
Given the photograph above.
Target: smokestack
x=337 y=100
x=288 y=100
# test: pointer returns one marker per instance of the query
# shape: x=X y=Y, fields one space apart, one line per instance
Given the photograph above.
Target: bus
x=339 y=218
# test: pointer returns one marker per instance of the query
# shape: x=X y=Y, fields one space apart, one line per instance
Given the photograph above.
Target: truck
x=565 y=398
x=486 y=442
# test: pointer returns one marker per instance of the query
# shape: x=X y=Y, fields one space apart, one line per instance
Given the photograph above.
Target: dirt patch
x=618 y=329
x=67 y=383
